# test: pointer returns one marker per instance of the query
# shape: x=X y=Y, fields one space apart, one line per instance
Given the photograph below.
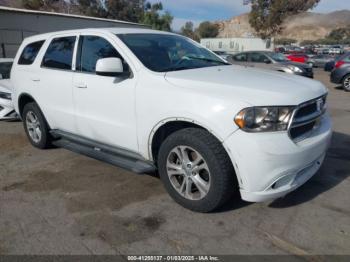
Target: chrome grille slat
x=300 y=127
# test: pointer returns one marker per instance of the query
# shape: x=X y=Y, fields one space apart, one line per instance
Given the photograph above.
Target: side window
x=59 y=54
x=347 y=59
x=91 y=49
x=257 y=58
x=240 y=58
x=29 y=53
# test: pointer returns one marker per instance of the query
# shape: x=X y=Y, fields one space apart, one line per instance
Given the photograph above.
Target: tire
x=214 y=174
x=35 y=122
x=346 y=83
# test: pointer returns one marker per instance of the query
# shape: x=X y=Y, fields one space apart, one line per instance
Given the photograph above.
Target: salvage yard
x=58 y=202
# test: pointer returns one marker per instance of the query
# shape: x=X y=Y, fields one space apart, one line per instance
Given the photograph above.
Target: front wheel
x=346 y=83
x=36 y=127
x=196 y=170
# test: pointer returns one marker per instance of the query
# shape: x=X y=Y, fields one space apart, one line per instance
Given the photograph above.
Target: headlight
x=6 y=96
x=264 y=119
x=295 y=69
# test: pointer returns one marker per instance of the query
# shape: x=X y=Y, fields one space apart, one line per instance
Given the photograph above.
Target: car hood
x=5 y=85
x=256 y=87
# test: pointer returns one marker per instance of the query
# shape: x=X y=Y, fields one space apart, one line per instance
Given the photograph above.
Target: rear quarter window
x=30 y=52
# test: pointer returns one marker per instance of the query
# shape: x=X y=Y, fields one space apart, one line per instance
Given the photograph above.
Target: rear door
x=54 y=79
x=105 y=105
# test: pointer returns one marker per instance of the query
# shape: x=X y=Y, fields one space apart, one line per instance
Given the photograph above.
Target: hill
x=304 y=26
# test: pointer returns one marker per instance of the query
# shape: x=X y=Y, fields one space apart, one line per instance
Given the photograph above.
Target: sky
x=213 y=10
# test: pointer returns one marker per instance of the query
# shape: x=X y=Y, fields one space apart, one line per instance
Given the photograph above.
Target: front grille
x=306 y=117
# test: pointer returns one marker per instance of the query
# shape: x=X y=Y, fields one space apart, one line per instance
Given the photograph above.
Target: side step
x=135 y=165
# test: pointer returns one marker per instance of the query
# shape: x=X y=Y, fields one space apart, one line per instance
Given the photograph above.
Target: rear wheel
x=36 y=127
x=196 y=170
x=346 y=83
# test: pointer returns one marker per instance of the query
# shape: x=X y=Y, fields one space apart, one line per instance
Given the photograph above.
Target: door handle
x=80 y=85
x=35 y=79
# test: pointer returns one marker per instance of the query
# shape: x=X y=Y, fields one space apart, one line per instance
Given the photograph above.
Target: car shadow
x=335 y=169
x=339 y=87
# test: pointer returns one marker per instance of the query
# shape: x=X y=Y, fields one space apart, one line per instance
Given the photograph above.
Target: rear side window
x=59 y=54
x=29 y=53
x=258 y=58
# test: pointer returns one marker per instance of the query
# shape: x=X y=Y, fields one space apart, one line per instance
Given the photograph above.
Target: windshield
x=5 y=69
x=164 y=53
x=278 y=57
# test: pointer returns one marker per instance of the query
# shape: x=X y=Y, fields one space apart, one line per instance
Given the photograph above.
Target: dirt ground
x=58 y=202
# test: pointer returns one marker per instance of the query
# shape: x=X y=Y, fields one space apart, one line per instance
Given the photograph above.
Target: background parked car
x=298 y=58
x=7 y=110
x=273 y=61
x=223 y=54
x=341 y=76
x=342 y=60
x=320 y=60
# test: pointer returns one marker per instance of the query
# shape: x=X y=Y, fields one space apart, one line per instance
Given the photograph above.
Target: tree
x=91 y=8
x=267 y=16
x=207 y=30
x=188 y=30
x=285 y=41
x=127 y=10
x=152 y=16
x=46 y=5
x=339 y=34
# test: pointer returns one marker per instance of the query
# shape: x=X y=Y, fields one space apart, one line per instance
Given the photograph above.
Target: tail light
x=339 y=64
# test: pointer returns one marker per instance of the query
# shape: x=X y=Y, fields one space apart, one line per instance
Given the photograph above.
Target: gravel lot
x=58 y=202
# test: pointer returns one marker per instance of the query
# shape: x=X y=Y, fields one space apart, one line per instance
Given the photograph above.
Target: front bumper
x=7 y=110
x=309 y=74
x=270 y=165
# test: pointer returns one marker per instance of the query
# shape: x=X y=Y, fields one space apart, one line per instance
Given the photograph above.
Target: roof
x=113 y=30
x=26 y=11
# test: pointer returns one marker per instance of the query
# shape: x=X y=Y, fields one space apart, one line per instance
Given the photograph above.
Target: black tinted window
x=240 y=58
x=258 y=58
x=29 y=53
x=91 y=49
x=5 y=69
x=60 y=53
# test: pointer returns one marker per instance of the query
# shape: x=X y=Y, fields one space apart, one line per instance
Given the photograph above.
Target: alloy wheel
x=347 y=83
x=33 y=127
x=188 y=172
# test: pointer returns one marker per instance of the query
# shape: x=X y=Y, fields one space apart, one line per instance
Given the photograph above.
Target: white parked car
x=7 y=110
x=147 y=100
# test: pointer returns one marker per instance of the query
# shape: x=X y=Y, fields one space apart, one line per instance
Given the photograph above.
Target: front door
x=105 y=105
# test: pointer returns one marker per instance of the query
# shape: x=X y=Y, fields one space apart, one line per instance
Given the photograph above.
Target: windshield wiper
x=168 y=69
x=208 y=60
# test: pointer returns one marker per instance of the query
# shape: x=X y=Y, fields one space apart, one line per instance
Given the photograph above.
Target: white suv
x=147 y=100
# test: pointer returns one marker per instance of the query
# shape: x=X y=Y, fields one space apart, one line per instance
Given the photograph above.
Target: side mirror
x=111 y=66
x=267 y=61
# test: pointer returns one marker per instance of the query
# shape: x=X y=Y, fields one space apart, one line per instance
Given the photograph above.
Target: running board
x=132 y=164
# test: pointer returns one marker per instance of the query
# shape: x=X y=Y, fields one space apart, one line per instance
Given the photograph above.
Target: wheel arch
x=24 y=99
x=168 y=126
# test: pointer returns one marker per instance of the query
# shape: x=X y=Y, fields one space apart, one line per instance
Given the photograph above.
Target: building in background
x=239 y=44
x=16 y=24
